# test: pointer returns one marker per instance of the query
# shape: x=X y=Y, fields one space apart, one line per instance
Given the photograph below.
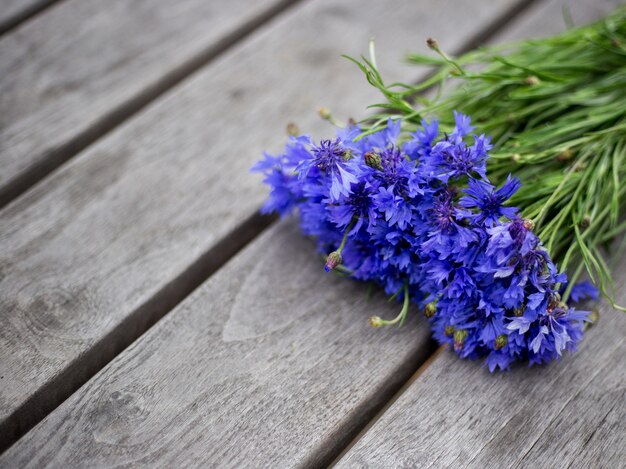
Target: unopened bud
x=501 y=341
x=448 y=330
x=594 y=316
x=529 y=224
x=292 y=129
x=519 y=311
x=324 y=113
x=373 y=160
x=452 y=190
x=532 y=80
x=351 y=122
x=565 y=155
x=376 y=321
x=586 y=221
x=516 y=157
x=333 y=260
x=347 y=155
x=554 y=301
x=430 y=309
x=459 y=338
x=432 y=44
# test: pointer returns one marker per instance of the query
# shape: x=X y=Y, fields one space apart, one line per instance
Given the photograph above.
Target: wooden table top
x=151 y=317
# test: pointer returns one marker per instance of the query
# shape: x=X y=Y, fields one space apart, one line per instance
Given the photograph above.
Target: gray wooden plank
x=14 y=12
x=271 y=363
x=569 y=414
x=99 y=250
x=78 y=69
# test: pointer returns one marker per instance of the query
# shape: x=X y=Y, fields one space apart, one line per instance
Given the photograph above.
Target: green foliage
x=556 y=110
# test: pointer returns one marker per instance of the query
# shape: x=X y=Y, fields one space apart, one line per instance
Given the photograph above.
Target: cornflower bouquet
x=417 y=201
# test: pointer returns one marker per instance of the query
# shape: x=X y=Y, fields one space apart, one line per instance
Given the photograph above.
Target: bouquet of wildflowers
x=477 y=228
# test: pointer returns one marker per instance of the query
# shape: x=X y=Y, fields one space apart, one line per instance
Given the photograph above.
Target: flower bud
x=324 y=113
x=594 y=316
x=373 y=160
x=376 y=321
x=459 y=339
x=519 y=311
x=448 y=330
x=293 y=130
x=586 y=221
x=564 y=156
x=430 y=309
x=516 y=157
x=501 y=341
x=554 y=301
x=432 y=44
x=532 y=80
x=529 y=224
x=333 y=260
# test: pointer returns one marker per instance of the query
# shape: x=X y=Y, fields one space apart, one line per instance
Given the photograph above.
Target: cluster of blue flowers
x=421 y=219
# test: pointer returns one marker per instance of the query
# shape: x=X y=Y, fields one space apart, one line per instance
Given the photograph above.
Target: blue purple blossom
x=420 y=218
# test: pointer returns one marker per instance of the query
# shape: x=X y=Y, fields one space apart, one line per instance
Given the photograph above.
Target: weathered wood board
x=14 y=12
x=271 y=363
x=108 y=243
x=73 y=72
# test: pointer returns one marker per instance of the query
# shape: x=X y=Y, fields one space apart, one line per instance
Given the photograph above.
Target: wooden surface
x=14 y=12
x=270 y=362
x=72 y=73
x=105 y=246
x=569 y=414
x=237 y=375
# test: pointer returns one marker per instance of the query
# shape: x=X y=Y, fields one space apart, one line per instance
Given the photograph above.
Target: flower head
x=483 y=196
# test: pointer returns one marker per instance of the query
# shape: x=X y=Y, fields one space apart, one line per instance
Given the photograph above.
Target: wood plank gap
x=344 y=438
x=12 y=22
x=109 y=121
x=435 y=352
x=497 y=26
x=79 y=371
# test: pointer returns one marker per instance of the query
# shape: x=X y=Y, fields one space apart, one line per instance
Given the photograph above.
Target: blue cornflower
x=331 y=158
x=385 y=137
x=394 y=207
x=419 y=147
x=583 y=291
x=462 y=126
x=358 y=205
x=450 y=160
x=482 y=196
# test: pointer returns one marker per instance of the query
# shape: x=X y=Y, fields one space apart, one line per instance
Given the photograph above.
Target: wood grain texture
x=14 y=12
x=271 y=363
x=569 y=414
x=99 y=250
x=72 y=73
